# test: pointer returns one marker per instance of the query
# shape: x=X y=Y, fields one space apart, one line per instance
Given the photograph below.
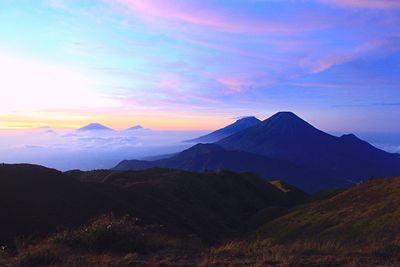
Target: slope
x=235 y=127
x=209 y=205
x=364 y=215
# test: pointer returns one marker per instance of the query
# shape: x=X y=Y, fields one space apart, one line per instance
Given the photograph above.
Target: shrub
x=109 y=234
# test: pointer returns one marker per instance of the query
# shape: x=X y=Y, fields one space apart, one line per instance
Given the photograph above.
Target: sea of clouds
x=65 y=150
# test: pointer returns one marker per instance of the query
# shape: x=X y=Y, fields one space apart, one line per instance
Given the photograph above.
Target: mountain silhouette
x=134 y=128
x=235 y=127
x=212 y=157
x=95 y=127
x=286 y=147
x=286 y=136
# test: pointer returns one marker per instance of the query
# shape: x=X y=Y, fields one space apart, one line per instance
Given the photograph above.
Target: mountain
x=285 y=147
x=38 y=200
x=211 y=157
x=286 y=136
x=235 y=127
x=134 y=128
x=95 y=127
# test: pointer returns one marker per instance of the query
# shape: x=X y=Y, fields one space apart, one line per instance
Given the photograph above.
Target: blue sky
x=198 y=64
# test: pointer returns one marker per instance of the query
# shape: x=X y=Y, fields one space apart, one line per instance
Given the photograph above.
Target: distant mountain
x=235 y=127
x=288 y=137
x=286 y=147
x=157 y=157
x=95 y=127
x=134 y=128
x=211 y=157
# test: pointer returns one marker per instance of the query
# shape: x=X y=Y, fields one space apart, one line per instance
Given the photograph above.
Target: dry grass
x=232 y=253
x=327 y=233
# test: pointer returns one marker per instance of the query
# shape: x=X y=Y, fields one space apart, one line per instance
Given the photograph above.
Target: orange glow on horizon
x=200 y=123
x=33 y=96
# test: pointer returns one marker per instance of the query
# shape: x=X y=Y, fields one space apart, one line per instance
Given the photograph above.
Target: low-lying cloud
x=88 y=150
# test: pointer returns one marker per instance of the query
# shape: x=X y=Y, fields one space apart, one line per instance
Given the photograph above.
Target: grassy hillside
x=366 y=215
x=210 y=205
x=36 y=200
x=177 y=218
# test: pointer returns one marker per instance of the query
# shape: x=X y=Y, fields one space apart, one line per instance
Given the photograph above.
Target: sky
x=196 y=65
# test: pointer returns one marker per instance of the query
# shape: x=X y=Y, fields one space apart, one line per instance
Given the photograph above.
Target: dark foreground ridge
x=168 y=217
x=210 y=205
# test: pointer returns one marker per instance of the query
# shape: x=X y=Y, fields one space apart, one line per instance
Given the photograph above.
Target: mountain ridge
x=286 y=136
x=284 y=146
x=95 y=126
x=135 y=128
x=230 y=129
x=212 y=157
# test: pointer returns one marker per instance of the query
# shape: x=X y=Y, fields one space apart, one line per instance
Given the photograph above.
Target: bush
x=107 y=234
x=110 y=234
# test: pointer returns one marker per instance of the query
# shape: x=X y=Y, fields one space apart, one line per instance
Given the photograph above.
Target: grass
x=114 y=235
x=105 y=233
x=68 y=249
x=265 y=253
x=366 y=213
x=357 y=227
x=104 y=240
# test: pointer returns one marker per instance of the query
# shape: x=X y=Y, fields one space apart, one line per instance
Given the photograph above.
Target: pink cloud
x=370 y=48
x=198 y=14
x=232 y=84
x=330 y=61
x=242 y=84
x=365 y=3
